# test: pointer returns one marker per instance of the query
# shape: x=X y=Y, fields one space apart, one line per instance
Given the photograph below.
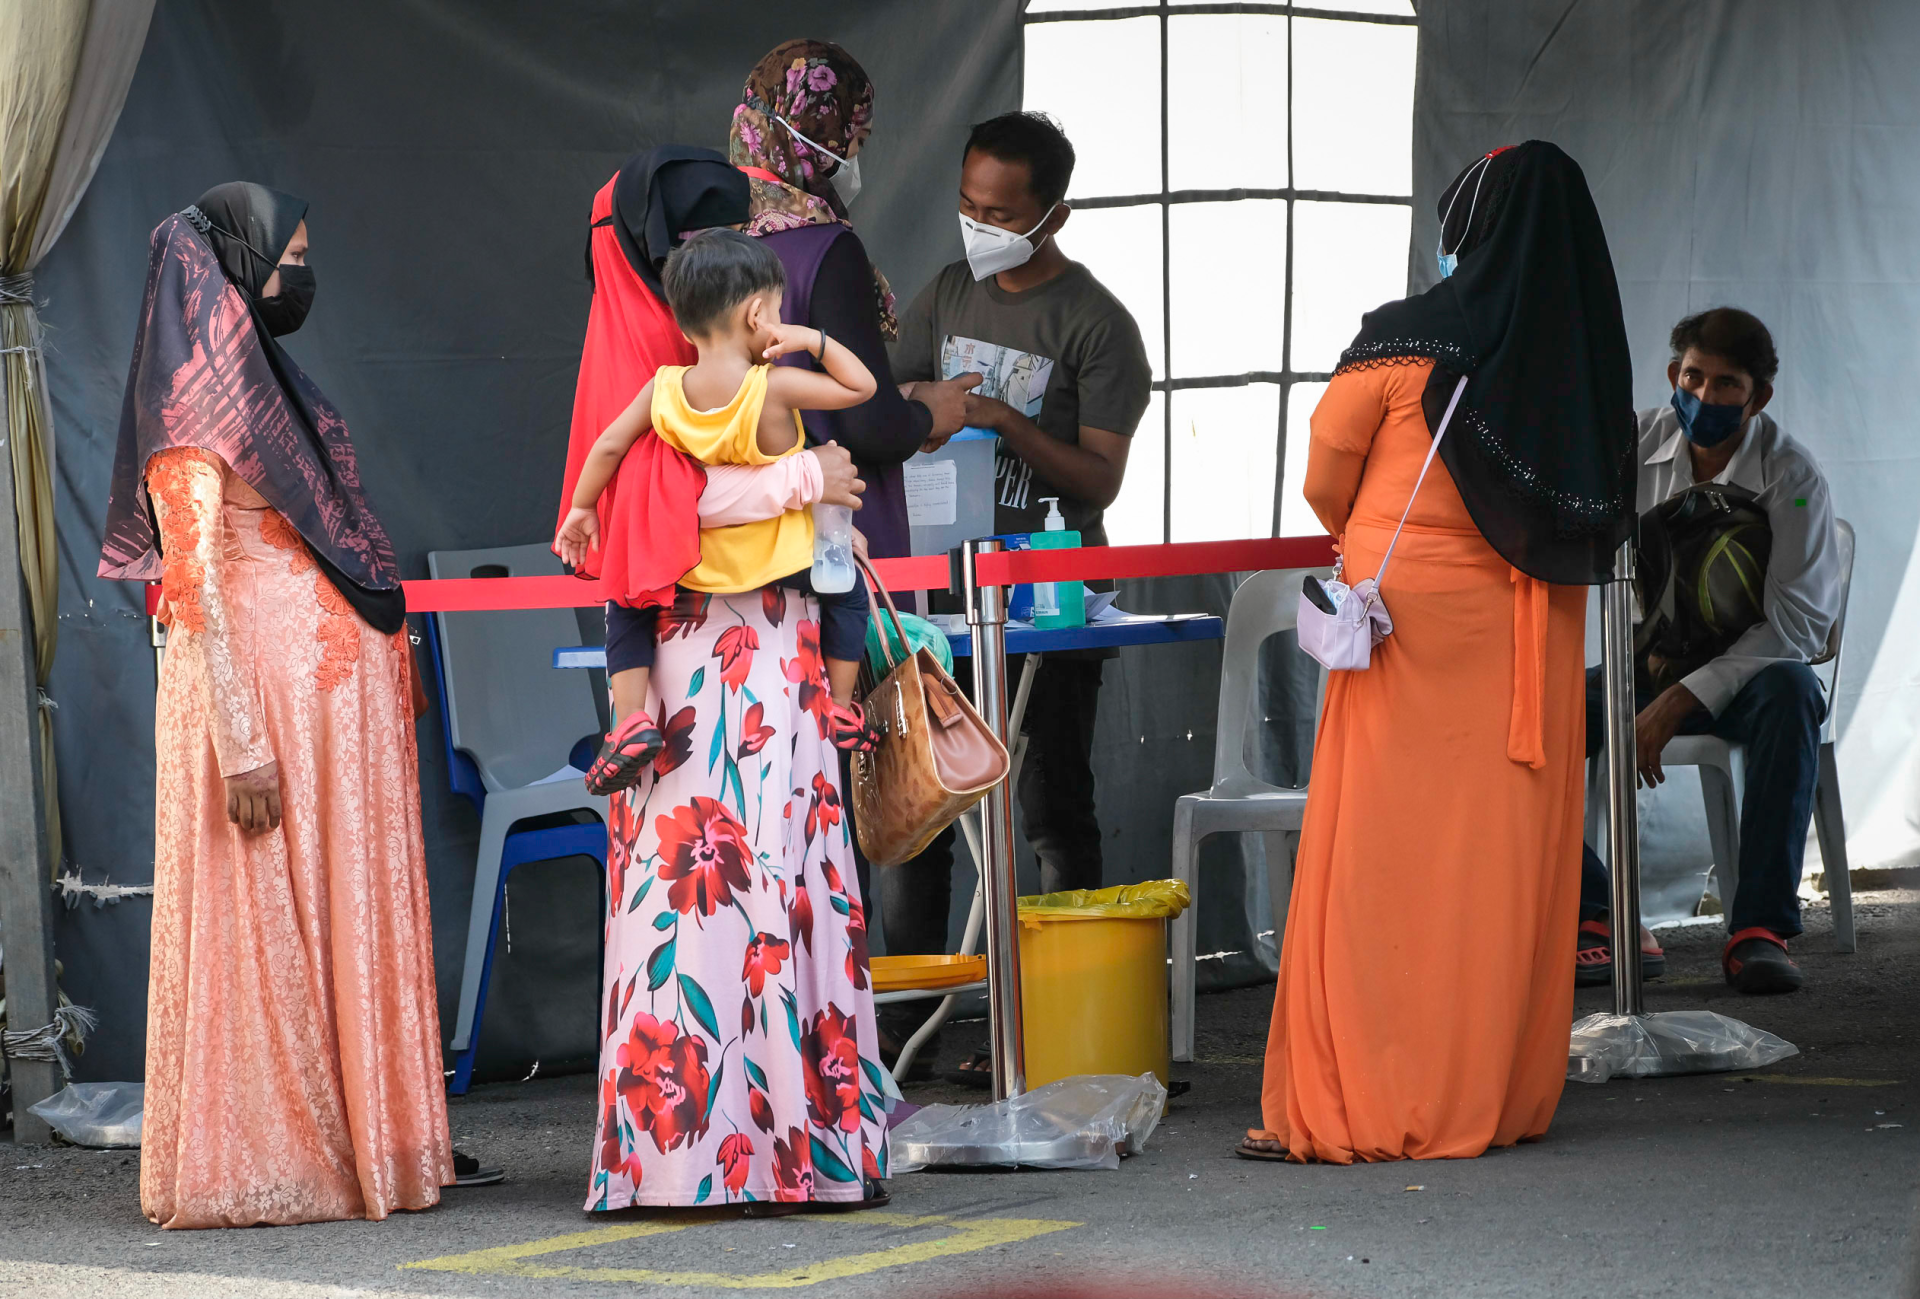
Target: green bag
x=920 y=633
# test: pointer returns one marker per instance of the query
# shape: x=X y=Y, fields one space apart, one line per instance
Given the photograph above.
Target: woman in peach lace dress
x=293 y=1038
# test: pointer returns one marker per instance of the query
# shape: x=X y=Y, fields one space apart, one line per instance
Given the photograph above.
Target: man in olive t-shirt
x=1065 y=380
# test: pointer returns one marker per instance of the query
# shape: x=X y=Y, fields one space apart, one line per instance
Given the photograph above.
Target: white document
x=933 y=492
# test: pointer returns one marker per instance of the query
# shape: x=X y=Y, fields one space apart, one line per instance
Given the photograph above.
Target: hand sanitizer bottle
x=832 y=549
x=1057 y=604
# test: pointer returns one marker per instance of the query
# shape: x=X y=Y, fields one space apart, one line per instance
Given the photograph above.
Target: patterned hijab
x=206 y=373
x=815 y=90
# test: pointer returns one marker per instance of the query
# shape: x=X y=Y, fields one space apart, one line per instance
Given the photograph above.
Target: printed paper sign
x=933 y=492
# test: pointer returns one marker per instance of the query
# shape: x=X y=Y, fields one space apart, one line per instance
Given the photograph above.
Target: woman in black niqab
x=248 y=402
x=1543 y=445
x=1447 y=775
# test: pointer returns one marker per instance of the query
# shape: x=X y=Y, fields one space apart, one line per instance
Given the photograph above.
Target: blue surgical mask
x=1705 y=425
x=1450 y=260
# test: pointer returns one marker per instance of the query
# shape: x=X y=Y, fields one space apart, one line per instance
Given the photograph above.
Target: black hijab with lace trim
x=1543 y=447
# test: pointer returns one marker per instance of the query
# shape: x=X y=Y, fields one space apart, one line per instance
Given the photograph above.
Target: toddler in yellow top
x=732 y=406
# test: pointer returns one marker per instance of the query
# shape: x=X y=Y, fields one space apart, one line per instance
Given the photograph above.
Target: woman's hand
x=788 y=339
x=840 y=483
x=253 y=799
x=579 y=533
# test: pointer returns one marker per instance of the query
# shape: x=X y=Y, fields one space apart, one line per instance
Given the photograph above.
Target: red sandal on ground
x=1593 y=957
x=624 y=754
x=851 y=730
x=1756 y=962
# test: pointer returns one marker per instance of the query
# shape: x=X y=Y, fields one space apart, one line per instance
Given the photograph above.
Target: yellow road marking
x=1816 y=1082
x=968 y=1235
x=505 y=1256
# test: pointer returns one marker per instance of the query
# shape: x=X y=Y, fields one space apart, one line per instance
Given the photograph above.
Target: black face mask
x=287 y=310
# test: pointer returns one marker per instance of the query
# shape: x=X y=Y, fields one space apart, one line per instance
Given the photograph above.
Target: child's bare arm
x=611 y=447
x=847 y=381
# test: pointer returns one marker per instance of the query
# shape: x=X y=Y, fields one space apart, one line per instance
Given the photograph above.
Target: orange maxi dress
x=293 y=1037
x=1426 y=976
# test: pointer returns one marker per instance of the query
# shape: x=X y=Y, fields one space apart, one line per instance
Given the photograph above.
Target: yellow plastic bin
x=1093 y=980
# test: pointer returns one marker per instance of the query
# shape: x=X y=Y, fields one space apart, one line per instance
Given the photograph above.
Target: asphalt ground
x=1797 y=1181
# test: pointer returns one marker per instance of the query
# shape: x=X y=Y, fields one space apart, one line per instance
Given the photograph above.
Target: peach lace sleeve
x=185 y=486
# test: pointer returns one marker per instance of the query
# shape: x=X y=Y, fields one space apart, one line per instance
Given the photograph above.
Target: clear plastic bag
x=1671 y=1042
x=105 y=1116
x=1083 y=1122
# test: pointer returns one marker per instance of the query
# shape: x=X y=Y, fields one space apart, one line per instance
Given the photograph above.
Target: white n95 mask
x=846 y=177
x=991 y=250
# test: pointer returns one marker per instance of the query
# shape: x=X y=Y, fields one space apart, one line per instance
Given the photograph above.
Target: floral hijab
x=815 y=90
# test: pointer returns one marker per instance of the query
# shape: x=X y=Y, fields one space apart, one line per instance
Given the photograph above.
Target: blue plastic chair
x=518 y=848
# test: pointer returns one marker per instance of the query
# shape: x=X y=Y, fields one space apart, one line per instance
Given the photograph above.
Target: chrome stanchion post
x=987 y=615
x=1623 y=816
x=1630 y=1043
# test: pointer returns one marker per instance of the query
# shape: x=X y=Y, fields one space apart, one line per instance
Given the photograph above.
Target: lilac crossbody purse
x=1343 y=640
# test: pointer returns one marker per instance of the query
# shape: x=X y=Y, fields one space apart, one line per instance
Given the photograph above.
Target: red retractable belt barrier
x=921 y=573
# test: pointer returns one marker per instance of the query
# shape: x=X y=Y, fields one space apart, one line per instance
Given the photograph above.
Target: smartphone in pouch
x=1317 y=593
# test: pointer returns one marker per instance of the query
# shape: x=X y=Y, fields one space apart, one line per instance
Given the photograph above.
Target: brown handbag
x=936 y=757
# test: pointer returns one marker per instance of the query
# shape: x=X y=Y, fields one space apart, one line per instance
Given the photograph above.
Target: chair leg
x=920 y=1035
x=1831 y=825
x=1183 y=934
x=1281 y=846
x=462 y=1077
x=480 y=919
x=1717 y=792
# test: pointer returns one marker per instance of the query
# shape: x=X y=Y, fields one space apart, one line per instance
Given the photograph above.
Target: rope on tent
x=47 y=1043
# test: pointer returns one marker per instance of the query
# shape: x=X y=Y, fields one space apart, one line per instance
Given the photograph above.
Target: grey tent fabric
x=1763 y=155
x=450 y=150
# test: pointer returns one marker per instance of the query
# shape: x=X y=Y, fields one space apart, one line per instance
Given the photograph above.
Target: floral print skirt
x=740 y=1059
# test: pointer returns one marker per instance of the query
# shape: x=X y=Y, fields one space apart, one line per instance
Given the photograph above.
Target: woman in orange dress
x=1426 y=984
x=293 y=1037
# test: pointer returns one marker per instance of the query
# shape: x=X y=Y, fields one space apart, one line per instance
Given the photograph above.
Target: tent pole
x=987 y=613
x=26 y=896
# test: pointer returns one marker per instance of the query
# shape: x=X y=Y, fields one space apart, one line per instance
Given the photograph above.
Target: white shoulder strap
x=1438 y=433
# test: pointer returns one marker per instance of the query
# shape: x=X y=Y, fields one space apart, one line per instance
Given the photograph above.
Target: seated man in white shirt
x=1759 y=692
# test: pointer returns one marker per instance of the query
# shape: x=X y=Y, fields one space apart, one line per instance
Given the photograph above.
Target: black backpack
x=1702 y=560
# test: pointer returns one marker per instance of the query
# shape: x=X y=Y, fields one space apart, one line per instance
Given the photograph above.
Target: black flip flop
x=1266 y=1156
x=467 y=1172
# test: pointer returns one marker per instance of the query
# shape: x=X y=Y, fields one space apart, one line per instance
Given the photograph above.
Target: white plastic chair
x=1722 y=768
x=1238 y=802
x=517 y=719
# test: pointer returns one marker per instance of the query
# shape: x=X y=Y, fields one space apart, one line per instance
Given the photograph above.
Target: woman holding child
x=730 y=864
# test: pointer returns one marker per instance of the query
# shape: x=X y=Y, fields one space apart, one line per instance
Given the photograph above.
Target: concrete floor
x=1797 y=1182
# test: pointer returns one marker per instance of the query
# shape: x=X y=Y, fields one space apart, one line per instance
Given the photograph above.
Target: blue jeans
x=1777 y=717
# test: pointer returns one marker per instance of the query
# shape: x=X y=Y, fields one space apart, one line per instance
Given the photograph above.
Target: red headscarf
x=649 y=514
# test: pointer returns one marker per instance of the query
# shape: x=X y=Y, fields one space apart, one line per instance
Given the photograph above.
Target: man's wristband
x=821 y=354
